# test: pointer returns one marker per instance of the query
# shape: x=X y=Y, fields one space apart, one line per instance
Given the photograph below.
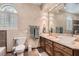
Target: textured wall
x=28 y=14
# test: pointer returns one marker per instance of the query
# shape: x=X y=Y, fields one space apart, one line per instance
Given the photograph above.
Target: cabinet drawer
x=63 y=48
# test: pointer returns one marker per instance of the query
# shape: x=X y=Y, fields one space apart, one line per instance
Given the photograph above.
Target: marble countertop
x=66 y=40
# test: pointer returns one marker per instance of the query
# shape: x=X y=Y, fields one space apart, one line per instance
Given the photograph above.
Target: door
x=3 y=38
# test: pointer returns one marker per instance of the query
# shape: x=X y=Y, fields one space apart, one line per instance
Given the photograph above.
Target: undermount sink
x=54 y=38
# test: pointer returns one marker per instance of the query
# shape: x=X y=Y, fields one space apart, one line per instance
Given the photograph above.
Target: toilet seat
x=20 y=48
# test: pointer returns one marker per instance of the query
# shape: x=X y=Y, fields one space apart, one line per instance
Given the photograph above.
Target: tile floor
x=34 y=52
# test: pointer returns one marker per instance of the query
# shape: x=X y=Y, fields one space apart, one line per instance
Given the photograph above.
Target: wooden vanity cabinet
x=57 y=49
x=46 y=45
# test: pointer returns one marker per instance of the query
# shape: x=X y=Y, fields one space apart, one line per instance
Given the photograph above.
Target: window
x=8 y=17
x=69 y=23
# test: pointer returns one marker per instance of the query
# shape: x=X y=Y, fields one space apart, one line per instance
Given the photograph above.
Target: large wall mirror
x=64 y=18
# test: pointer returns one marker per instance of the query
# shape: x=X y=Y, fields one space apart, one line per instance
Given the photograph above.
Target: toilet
x=19 y=48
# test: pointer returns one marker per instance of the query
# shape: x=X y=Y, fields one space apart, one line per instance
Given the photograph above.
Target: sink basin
x=54 y=38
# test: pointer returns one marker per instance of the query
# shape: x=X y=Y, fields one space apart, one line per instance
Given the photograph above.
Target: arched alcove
x=11 y=8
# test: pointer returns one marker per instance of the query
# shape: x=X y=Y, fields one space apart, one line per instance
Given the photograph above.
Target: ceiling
x=72 y=8
x=38 y=4
x=68 y=7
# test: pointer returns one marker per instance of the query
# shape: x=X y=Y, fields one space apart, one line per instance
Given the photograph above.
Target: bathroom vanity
x=61 y=45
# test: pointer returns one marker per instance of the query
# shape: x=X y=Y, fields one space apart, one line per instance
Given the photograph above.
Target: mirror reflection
x=64 y=18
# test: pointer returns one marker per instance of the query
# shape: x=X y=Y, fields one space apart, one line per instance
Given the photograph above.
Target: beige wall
x=28 y=14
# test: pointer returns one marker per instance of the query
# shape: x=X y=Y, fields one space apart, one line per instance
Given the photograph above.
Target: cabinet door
x=64 y=50
x=42 y=43
x=49 y=47
x=58 y=53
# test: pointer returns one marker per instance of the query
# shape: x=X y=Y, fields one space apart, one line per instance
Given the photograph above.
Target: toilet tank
x=20 y=40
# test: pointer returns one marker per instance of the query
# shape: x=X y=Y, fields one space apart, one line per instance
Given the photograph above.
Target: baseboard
x=9 y=52
x=36 y=48
x=26 y=49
